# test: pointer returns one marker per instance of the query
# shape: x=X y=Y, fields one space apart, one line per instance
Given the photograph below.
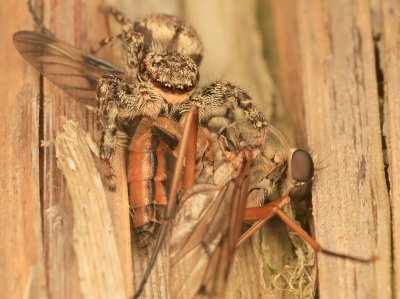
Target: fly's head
x=173 y=75
x=299 y=176
x=281 y=170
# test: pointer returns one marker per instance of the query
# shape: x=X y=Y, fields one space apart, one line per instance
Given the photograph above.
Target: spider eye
x=180 y=89
x=167 y=87
x=156 y=64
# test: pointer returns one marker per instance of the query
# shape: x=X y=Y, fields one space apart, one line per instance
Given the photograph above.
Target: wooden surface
x=77 y=23
x=390 y=64
x=99 y=266
x=326 y=71
x=338 y=90
x=22 y=271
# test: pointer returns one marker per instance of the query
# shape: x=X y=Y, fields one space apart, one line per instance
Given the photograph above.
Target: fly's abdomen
x=146 y=173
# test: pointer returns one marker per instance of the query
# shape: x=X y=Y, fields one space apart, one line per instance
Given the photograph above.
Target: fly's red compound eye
x=299 y=193
x=302 y=167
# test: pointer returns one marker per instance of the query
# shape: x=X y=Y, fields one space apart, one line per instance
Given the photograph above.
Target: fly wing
x=66 y=66
x=206 y=230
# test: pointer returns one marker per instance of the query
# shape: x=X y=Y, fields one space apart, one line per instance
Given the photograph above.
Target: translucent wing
x=66 y=66
x=206 y=230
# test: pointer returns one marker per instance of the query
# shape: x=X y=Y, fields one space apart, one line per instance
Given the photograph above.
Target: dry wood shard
x=99 y=265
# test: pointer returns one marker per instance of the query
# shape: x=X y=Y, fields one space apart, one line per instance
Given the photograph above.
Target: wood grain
x=99 y=266
x=79 y=23
x=75 y=22
x=233 y=47
x=22 y=273
x=339 y=92
x=390 y=55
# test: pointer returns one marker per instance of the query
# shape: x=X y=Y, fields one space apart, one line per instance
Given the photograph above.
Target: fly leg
x=147 y=195
x=264 y=213
x=198 y=145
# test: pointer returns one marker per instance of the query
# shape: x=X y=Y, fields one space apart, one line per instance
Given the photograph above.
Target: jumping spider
x=165 y=53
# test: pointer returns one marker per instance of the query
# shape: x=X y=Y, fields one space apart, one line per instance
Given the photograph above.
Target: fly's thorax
x=165 y=32
x=173 y=75
x=266 y=175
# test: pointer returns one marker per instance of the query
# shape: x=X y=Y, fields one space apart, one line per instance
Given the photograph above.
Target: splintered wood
x=99 y=265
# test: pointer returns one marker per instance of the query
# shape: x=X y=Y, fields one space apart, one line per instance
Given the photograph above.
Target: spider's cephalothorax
x=165 y=80
x=165 y=32
x=173 y=74
x=154 y=33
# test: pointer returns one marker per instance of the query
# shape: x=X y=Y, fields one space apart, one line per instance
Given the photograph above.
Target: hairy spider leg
x=37 y=20
x=118 y=16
